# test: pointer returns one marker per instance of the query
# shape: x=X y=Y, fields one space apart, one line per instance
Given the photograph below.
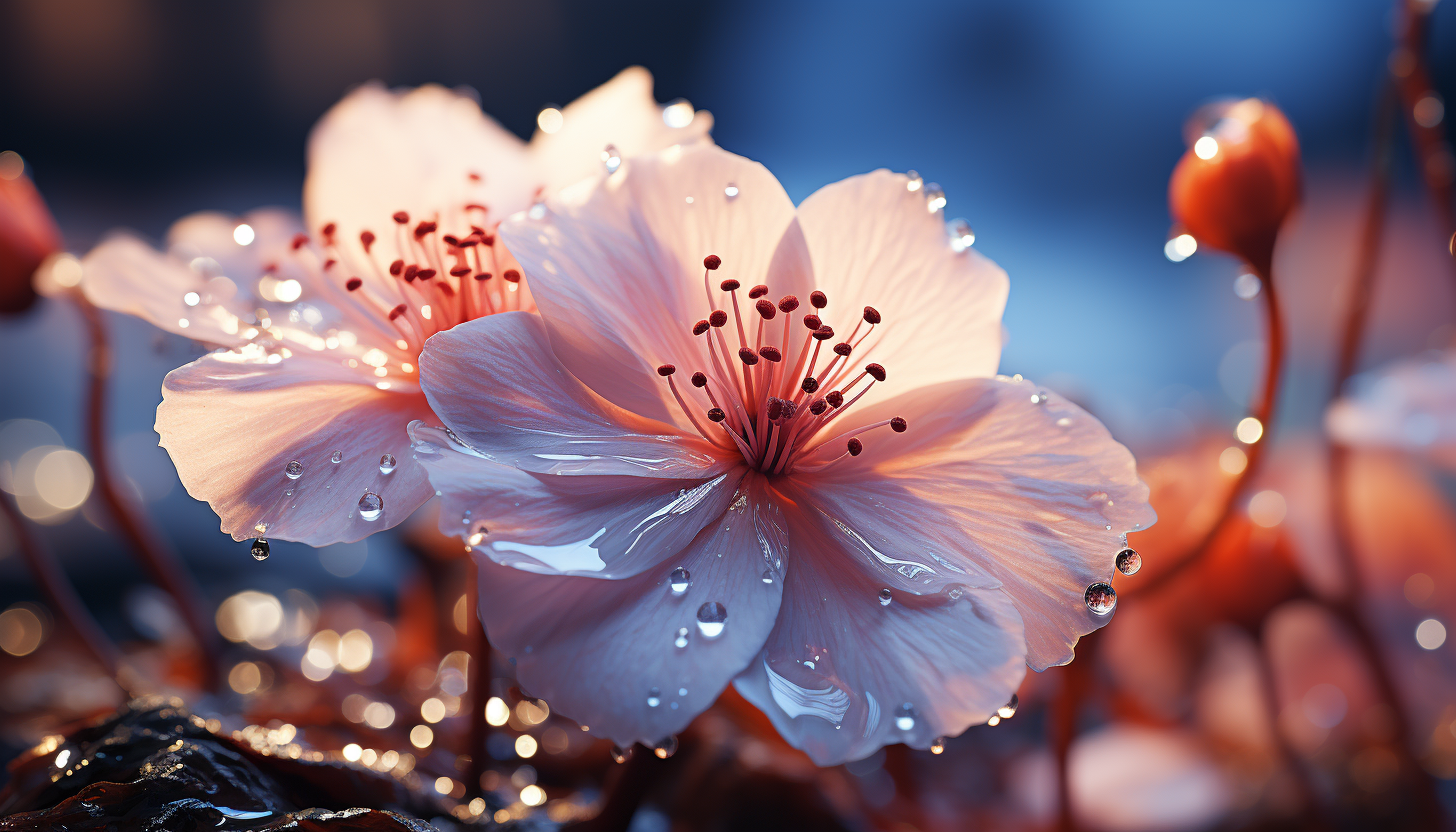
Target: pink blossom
x=792 y=469
x=1409 y=404
x=295 y=427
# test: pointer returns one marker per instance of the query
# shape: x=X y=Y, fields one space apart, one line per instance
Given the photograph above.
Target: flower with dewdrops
x=748 y=443
x=295 y=427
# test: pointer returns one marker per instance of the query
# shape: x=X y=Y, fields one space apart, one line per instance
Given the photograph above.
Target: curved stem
x=1411 y=68
x=161 y=563
x=1315 y=819
x=59 y=591
x=1263 y=410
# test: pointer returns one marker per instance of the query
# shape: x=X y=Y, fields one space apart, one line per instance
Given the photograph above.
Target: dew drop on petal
x=768 y=576
x=1101 y=598
x=1008 y=710
x=293 y=470
x=681 y=640
x=371 y=505
x=1129 y=561
x=711 y=619
x=731 y=191
x=261 y=549
x=654 y=698
x=337 y=457
x=620 y=754
x=665 y=747
x=386 y=463
x=905 y=717
x=885 y=596
x=961 y=235
x=937 y=745
x=611 y=158
x=679 y=580
x=1040 y=397
x=934 y=198
x=914 y=183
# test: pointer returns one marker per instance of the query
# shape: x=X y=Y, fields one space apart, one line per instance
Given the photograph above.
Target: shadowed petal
x=843 y=674
x=874 y=243
x=232 y=425
x=1035 y=494
x=602 y=527
x=497 y=384
x=597 y=649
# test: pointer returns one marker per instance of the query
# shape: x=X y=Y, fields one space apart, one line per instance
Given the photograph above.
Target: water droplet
x=654 y=698
x=768 y=576
x=905 y=717
x=293 y=470
x=261 y=549
x=682 y=638
x=386 y=463
x=337 y=457
x=1129 y=561
x=711 y=618
x=914 y=183
x=620 y=754
x=934 y=198
x=679 y=580
x=682 y=691
x=955 y=593
x=1247 y=286
x=371 y=505
x=537 y=211
x=1040 y=397
x=1008 y=710
x=665 y=747
x=611 y=158
x=885 y=596
x=1101 y=598
x=191 y=298
x=731 y=191
x=961 y=235
x=937 y=745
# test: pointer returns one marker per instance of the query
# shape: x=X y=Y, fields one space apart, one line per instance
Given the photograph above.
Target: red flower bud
x=27 y=235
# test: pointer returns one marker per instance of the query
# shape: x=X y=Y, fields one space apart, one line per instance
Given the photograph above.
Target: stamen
x=871 y=315
x=511 y=276
x=788 y=303
x=729 y=285
x=898 y=425
x=712 y=262
x=367 y=238
x=396 y=267
x=702 y=326
x=818 y=406
x=843 y=349
x=809 y=385
x=875 y=371
x=855 y=447
x=717 y=414
x=758 y=291
x=353 y=283
x=771 y=353
x=766 y=308
x=718 y=318
x=747 y=356
x=700 y=380
x=401 y=217
x=818 y=299
x=666 y=370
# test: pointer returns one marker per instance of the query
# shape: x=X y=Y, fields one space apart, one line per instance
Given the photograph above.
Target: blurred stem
x=59 y=591
x=1313 y=816
x=1062 y=724
x=480 y=677
x=161 y=563
x=1411 y=69
x=622 y=793
x=1263 y=410
x=1347 y=607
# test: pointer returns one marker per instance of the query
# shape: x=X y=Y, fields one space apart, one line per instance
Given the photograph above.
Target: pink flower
x=1408 y=404
x=791 y=470
x=295 y=427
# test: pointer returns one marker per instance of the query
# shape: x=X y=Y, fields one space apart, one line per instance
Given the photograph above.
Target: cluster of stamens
x=778 y=416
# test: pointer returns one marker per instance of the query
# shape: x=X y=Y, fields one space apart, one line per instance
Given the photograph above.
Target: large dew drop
x=620 y=754
x=937 y=745
x=679 y=580
x=885 y=597
x=905 y=717
x=386 y=463
x=665 y=747
x=337 y=457
x=654 y=698
x=611 y=158
x=1101 y=598
x=711 y=618
x=293 y=470
x=371 y=505
x=261 y=549
x=1129 y=561
x=1008 y=710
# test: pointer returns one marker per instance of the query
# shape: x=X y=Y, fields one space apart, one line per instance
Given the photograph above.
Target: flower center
x=777 y=416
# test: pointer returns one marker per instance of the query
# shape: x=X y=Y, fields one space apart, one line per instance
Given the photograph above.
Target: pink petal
x=233 y=425
x=617 y=267
x=621 y=113
x=380 y=151
x=1037 y=495
x=874 y=243
x=1409 y=404
x=124 y=274
x=840 y=667
x=496 y=383
x=596 y=649
x=601 y=527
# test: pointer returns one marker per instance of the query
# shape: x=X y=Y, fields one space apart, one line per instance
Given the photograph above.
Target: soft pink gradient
x=1408 y=404
x=338 y=369
x=565 y=453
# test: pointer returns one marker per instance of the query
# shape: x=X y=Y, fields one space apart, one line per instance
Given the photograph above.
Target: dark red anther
x=824 y=333
x=789 y=409
x=425 y=227
x=700 y=380
x=353 y=283
x=666 y=370
x=771 y=353
x=898 y=425
x=367 y=238
x=835 y=398
x=701 y=326
x=747 y=356
x=871 y=315
x=470 y=241
x=299 y=241
x=718 y=318
x=729 y=285
x=876 y=371
x=766 y=308
x=758 y=291
x=818 y=406
x=809 y=384
x=474 y=177
x=712 y=262
x=451 y=240
x=328 y=232
x=329 y=263
x=818 y=299
x=788 y=303
x=843 y=349
x=483 y=276
x=717 y=414
x=855 y=446
x=425 y=274
x=396 y=311
x=396 y=267
x=775 y=408
x=511 y=276
x=401 y=217
x=812 y=321
x=488 y=239
x=270 y=268
x=475 y=206
x=410 y=271
x=460 y=271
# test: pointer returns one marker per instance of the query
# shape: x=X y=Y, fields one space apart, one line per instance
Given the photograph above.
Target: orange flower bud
x=27 y=234
x=1239 y=179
